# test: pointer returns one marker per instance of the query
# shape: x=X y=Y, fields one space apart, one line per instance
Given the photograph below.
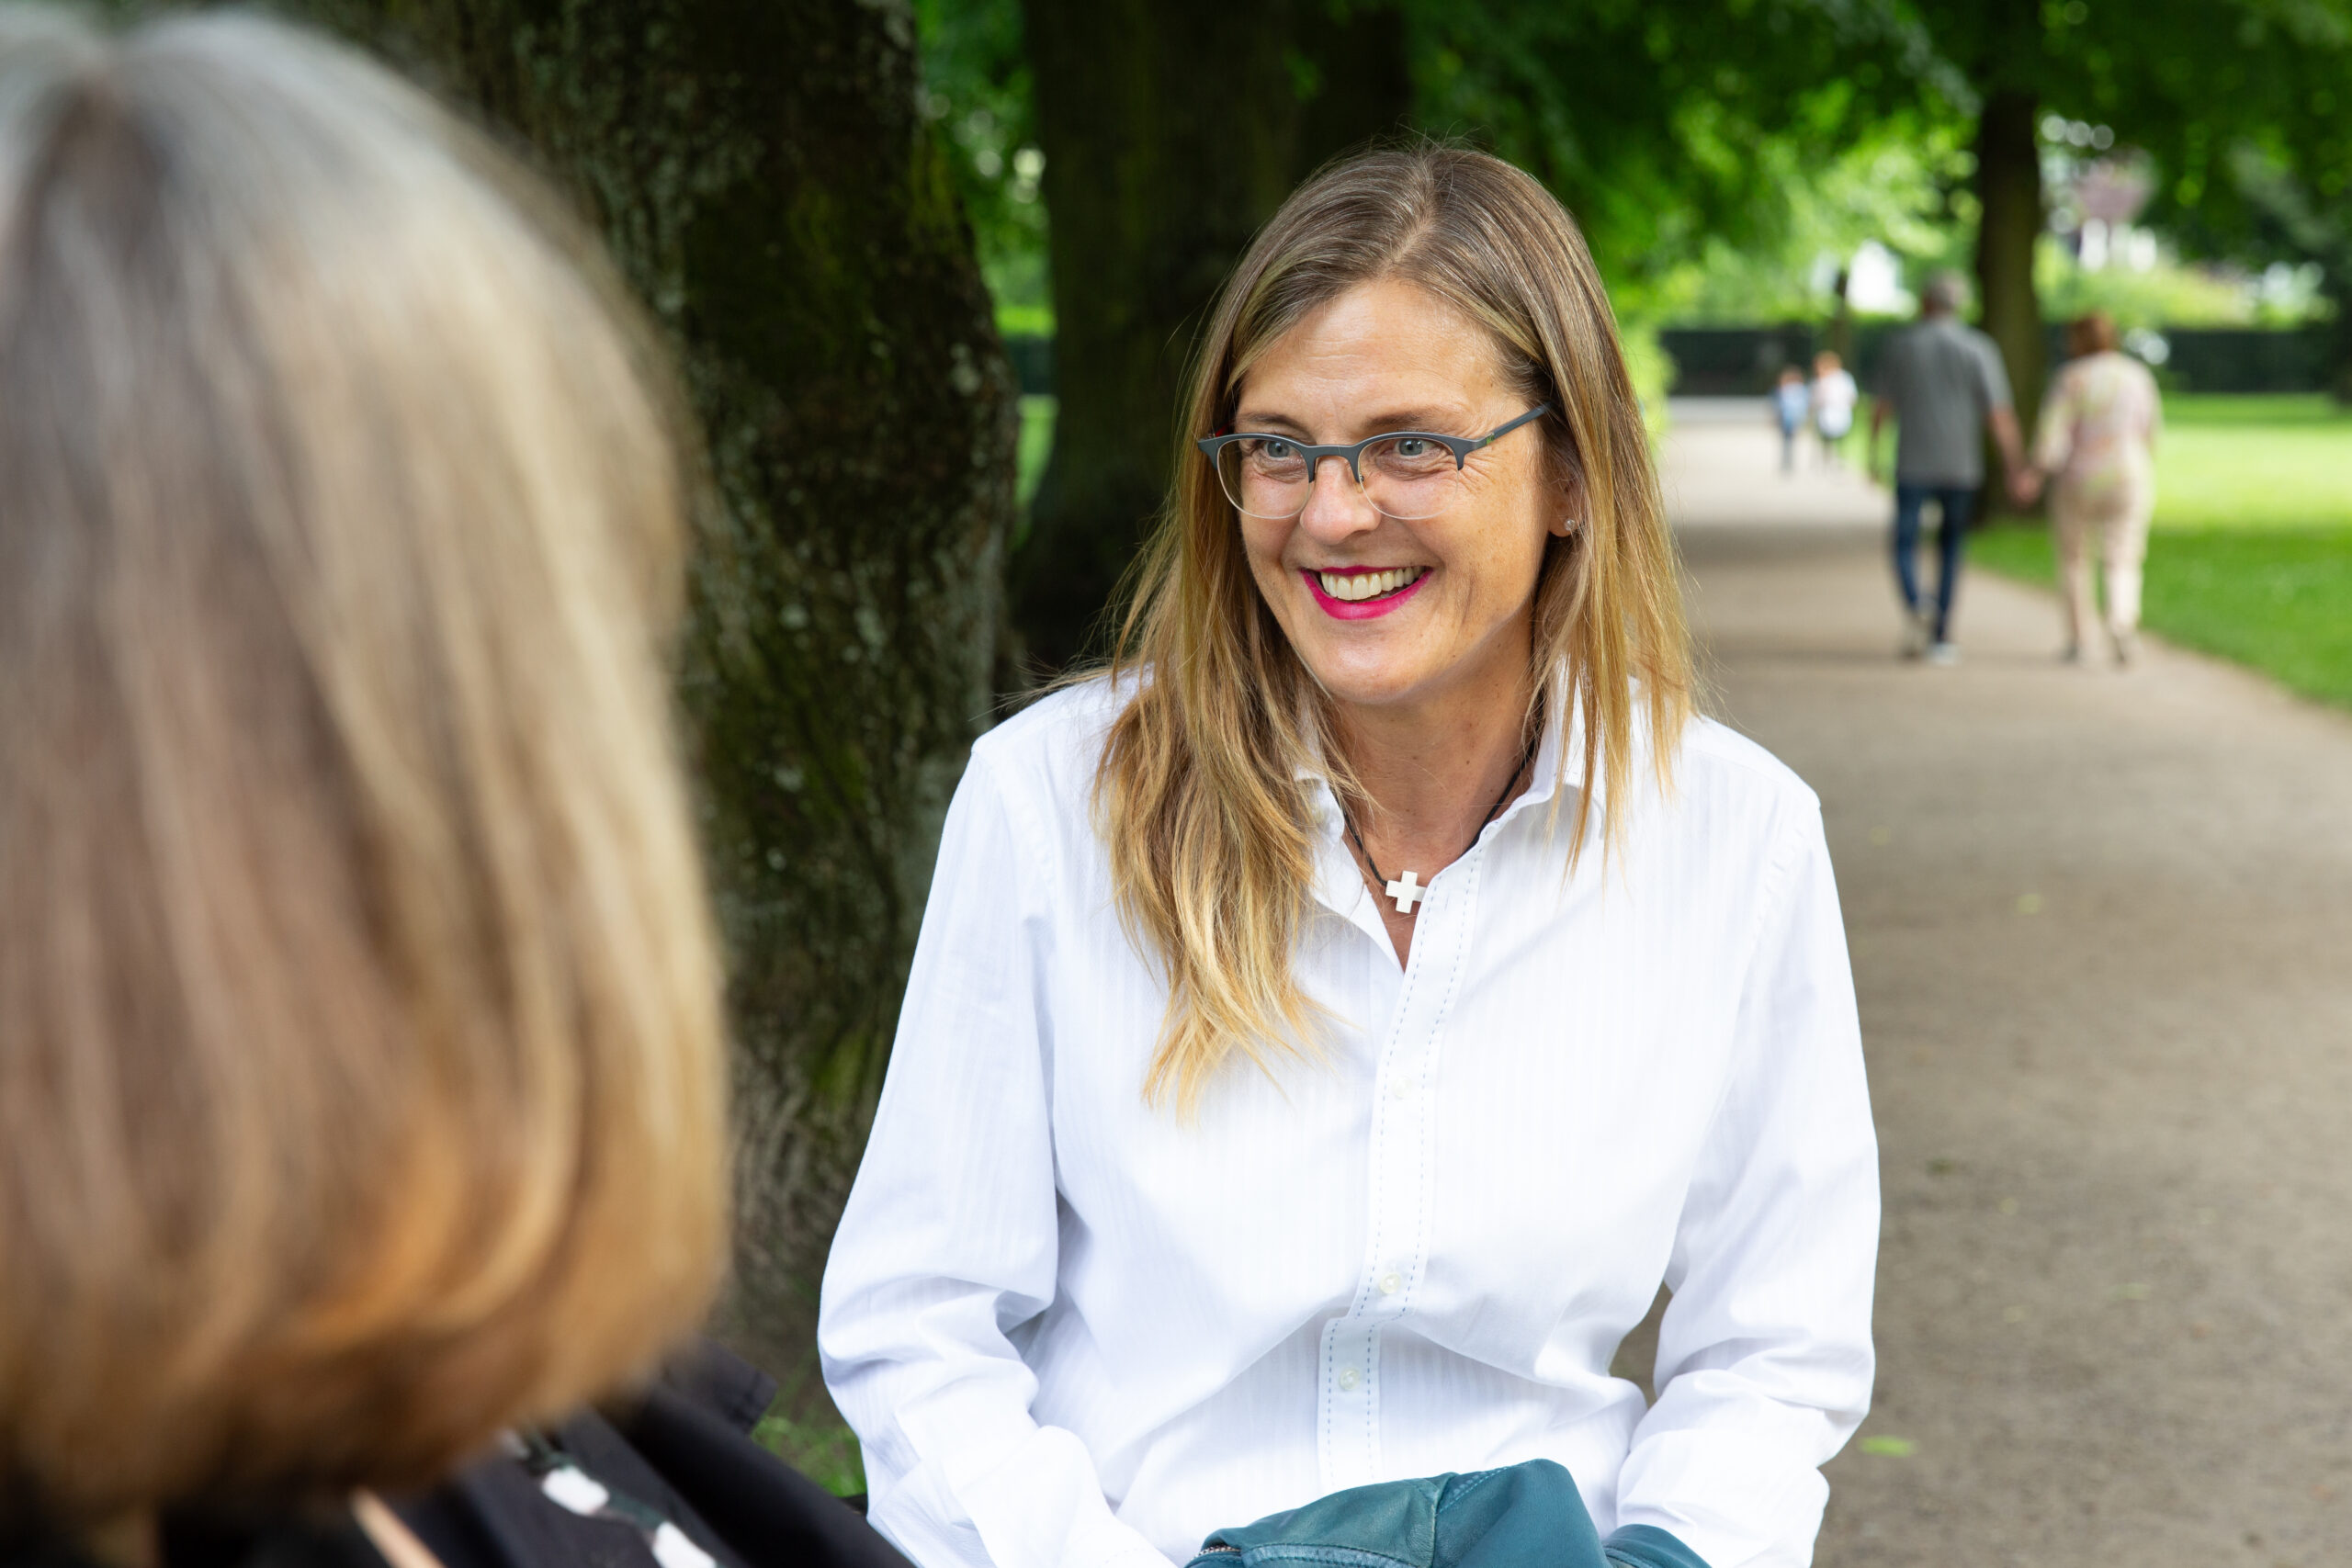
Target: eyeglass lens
x=1405 y=477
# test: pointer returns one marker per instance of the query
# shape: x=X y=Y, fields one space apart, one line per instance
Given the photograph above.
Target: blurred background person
x=1943 y=384
x=1833 y=398
x=2095 y=449
x=1789 y=401
x=361 y=1078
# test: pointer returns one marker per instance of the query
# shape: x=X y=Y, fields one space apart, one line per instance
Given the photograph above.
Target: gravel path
x=2102 y=932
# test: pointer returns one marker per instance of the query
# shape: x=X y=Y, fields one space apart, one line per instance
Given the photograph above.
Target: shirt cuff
x=1647 y=1546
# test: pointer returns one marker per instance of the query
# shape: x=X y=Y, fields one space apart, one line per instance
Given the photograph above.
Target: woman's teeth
x=1358 y=585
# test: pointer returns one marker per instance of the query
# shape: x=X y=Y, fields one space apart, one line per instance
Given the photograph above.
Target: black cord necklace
x=1405 y=891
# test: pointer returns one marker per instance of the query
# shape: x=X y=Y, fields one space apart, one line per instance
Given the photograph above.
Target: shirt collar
x=1562 y=735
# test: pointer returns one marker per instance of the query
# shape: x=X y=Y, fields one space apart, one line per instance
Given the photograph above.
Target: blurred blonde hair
x=1211 y=845
x=361 y=1083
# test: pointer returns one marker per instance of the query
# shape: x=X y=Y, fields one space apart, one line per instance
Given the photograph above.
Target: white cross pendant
x=1405 y=894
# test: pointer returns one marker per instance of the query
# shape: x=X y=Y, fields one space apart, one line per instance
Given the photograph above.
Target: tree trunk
x=1841 y=323
x=761 y=172
x=2335 y=286
x=1170 y=135
x=2008 y=182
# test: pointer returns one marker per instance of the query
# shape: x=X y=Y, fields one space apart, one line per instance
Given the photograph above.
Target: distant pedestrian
x=2097 y=443
x=1789 y=401
x=1942 y=383
x=1833 y=397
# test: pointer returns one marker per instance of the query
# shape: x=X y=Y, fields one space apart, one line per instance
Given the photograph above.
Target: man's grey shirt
x=1941 y=379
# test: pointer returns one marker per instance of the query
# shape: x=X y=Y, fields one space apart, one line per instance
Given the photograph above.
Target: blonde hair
x=361 y=1081
x=1198 y=795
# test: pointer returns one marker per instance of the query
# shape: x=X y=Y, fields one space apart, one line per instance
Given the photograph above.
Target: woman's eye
x=1277 y=451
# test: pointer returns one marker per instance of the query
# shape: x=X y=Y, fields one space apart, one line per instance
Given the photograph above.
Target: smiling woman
x=1514 y=570
x=1350 y=1152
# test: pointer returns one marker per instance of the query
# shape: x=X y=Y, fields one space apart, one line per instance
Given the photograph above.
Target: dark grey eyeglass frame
x=1460 y=446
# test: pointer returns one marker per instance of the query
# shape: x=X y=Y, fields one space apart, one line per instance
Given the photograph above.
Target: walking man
x=1943 y=383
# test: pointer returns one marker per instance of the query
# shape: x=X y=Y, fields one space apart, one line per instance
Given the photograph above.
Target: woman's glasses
x=1408 y=474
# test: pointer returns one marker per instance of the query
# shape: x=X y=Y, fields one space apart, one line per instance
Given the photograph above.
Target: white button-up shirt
x=1073 y=1330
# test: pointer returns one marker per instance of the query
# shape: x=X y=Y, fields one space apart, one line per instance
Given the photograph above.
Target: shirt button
x=1400 y=1089
x=1347 y=1380
x=1391 y=1283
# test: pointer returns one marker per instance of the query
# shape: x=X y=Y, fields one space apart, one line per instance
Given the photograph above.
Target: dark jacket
x=680 y=1456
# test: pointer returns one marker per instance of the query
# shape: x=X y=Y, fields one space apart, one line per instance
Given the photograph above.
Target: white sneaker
x=1917 y=634
x=1944 y=653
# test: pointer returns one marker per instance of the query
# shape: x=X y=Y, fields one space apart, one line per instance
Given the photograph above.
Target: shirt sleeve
x=1996 y=374
x=949 y=1243
x=2055 y=439
x=1764 y=1360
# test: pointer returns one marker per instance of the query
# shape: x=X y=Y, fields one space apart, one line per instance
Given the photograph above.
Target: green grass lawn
x=2254 y=462
x=2278 y=599
x=2251 y=557
x=1036 y=444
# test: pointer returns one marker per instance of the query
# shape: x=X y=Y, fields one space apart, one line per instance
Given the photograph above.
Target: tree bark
x=2008 y=184
x=761 y=172
x=2335 y=285
x=1170 y=135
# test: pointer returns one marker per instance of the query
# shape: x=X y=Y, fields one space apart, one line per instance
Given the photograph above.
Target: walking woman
x=1331 y=1025
x=2096 y=450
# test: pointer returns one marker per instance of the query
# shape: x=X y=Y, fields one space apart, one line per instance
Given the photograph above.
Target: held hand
x=2025 y=487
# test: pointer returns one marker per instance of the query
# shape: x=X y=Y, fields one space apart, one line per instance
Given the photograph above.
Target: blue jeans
x=1955 y=502
x=1525 y=1515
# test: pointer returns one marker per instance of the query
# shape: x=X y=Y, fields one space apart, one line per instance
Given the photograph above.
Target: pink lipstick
x=1359 y=609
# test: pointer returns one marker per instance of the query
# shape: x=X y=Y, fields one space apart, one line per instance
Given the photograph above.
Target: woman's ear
x=1569 y=506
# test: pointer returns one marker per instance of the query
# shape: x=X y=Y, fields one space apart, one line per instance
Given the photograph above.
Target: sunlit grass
x=2252 y=553
x=2279 y=600
x=1036 y=443
x=2254 y=462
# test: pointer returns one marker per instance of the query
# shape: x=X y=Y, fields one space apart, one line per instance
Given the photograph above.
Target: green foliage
x=2243 y=106
x=2166 y=293
x=1905 y=184
x=976 y=92
x=1902 y=183
x=1676 y=130
x=1650 y=369
x=1713 y=150
x=1672 y=126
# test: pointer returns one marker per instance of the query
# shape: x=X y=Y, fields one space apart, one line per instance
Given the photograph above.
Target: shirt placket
x=1401 y=1182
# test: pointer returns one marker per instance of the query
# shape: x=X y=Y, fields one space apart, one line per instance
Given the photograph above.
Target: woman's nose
x=1336 y=504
